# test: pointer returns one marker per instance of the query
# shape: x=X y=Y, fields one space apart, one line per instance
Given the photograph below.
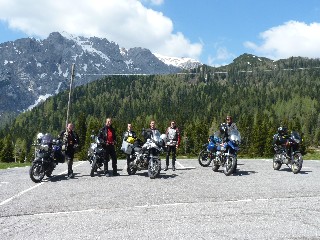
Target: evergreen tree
x=6 y=154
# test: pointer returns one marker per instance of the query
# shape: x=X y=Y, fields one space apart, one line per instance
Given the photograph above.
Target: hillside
x=260 y=99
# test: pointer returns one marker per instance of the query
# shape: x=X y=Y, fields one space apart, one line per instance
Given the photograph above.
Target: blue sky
x=212 y=31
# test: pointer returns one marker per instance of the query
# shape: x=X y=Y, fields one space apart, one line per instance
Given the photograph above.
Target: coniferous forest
x=260 y=94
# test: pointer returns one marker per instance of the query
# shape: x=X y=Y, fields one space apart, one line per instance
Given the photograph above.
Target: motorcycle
x=289 y=153
x=145 y=156
x=226 y=153
x=96 y=154
x=208 y=153
x=48 y=153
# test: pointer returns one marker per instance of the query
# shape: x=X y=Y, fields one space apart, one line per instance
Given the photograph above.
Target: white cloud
x=126 y=22
x=290 y=39
x=222 y=56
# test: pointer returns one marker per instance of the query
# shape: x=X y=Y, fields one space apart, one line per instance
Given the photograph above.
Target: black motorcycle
x=48 y=153
x=96 y=154
x=145 y=156
x=288 y=153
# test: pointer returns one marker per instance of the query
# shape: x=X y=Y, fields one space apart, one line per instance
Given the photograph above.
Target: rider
x=71 y=139
x=173 y=136
x=149 y=132
x=226 y=128
x=230 y=124
x=108 y=135
x=281 y=137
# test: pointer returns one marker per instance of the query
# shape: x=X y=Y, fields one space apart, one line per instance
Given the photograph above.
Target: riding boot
x=70 y=172
x=173 y=162
x=105 y=167
x=167 y=163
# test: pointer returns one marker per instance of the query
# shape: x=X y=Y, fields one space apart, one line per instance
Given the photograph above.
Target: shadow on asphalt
x=289 y=170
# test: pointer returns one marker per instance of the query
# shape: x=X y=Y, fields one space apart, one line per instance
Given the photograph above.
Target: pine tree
x=6 y=154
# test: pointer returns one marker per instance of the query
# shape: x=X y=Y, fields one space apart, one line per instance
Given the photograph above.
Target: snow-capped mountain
x=32 y=70
x=184 y=63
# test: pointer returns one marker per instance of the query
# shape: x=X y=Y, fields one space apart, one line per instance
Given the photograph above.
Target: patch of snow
x=57 y=90
x=186 y=63
x=41 y=98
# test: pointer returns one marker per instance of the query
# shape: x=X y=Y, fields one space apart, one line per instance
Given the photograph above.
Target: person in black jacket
x=71 y=140
x=108 y=135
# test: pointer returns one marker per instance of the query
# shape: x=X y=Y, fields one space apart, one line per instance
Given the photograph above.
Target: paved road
x=191 y=203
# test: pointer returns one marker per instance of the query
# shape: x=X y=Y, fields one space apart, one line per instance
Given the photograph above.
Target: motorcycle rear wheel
x=297 y=163
x=204 y=158
x=276 y=164
x=230 y=165
x=36 y=172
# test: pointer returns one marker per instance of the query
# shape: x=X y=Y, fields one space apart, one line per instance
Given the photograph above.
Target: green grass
x=4 y=165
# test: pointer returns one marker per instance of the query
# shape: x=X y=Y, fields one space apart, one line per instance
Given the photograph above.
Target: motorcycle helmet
x=164 y=137
x=39 y=137
x=211 y=146
x=282 y=130
x=130 y=140
x=223 y=128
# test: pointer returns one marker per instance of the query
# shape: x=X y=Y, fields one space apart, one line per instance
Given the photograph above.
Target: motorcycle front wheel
x=131 y=168
x=154 y=168
x=36 y=172
x=276 y=163
x=297 y=163
x=93 y=166
x=204 y=158
x=230 y=165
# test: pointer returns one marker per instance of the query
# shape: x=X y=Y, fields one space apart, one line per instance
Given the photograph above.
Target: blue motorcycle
x=226 y=153
x=208 y=153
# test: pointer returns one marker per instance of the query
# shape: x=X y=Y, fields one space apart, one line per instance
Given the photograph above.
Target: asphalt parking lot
x=192 y=202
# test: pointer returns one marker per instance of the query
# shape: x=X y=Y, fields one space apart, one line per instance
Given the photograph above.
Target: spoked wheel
x=297 y=163
x=154 y=168
x=36 y=172
x=131 y=168
x=204 y=158
x=93 y=166
x=230 y=165
x=276 y=162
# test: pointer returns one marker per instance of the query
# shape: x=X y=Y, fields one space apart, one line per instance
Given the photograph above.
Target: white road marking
x=33 y=187
x=183 y=167
x=168 y=205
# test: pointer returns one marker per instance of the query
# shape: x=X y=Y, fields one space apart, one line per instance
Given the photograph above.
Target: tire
x=49 y=174
x=276 y=163
x=230 y=165
x=131 y=169
x=297 y=163
x=93 y=166
x=215 y=168
x=204 y=158
x=153 y=168
x=36 y=171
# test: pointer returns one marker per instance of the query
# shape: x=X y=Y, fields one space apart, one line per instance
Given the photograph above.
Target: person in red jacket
x=173 y=142
x=108 y=135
